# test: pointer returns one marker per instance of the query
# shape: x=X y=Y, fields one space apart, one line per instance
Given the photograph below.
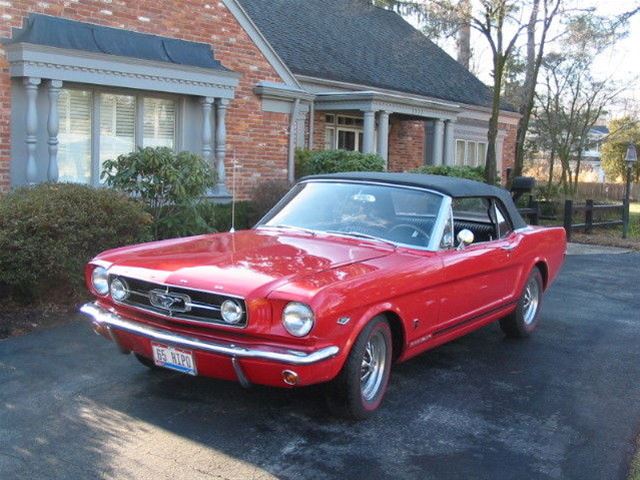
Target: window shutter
x=117 y=126
x=159 y=123
x=74 y=137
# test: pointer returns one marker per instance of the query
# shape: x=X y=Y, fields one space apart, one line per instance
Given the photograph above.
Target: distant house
x=591 y=165
x=251 y=80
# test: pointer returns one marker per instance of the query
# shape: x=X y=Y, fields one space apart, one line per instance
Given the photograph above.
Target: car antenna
x=233 y=194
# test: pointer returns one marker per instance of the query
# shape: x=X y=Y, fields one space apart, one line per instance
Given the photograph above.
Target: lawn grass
x=634 y=472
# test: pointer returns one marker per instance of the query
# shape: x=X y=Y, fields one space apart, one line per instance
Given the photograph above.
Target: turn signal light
x=289 y=377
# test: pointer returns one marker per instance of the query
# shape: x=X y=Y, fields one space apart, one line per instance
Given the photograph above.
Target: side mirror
x=465 y=237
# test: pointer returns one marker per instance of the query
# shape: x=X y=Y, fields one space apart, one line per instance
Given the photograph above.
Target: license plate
x=174 y=358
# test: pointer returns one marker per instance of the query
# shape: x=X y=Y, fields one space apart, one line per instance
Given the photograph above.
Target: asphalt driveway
x=562 y=405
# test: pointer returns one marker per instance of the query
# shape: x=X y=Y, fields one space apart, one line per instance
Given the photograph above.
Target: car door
x=474 y=282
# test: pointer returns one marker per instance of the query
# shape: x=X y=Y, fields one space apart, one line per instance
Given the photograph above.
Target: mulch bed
x=18 y=319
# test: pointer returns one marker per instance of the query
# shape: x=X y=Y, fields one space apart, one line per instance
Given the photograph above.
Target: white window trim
x=467 y=144
x=337 y=128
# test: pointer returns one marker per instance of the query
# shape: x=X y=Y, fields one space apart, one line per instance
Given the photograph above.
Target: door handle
x=507 y=248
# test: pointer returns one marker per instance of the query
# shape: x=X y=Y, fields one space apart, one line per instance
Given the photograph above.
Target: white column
x=438 y=137
x=369 y=131
x=206 y=103
x=53 y=125
x=383 y=137
x=31 y=88
x=222 y=106
x=449 y=142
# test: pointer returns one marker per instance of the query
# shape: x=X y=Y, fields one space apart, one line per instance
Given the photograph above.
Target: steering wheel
x=415 y=232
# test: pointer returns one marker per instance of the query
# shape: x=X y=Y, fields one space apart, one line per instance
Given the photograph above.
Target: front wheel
x=360 y=387
x=524 y=319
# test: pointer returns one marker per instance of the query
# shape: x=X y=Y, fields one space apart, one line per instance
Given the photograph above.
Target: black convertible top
x=451 y=186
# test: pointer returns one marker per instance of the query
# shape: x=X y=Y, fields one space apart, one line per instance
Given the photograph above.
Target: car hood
x=251 y=262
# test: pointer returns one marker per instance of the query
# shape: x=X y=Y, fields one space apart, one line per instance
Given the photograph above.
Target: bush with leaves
x=49 y=232
x=265 y=197
x=334 y=161
x=470 y=173
x=170 y=185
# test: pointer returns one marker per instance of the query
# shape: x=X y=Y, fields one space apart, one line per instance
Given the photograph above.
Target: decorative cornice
x=27 y=60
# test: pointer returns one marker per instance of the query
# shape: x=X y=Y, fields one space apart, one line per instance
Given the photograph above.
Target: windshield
x=376 y=212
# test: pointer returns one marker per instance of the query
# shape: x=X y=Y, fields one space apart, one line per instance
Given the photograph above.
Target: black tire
x=522 y=322
x=147 y=362
x=345 y=396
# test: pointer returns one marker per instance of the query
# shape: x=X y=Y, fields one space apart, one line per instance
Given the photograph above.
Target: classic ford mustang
x=346 y=275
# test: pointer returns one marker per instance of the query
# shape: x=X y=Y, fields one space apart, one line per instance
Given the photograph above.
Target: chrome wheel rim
x=531 y=301
x=373 y=366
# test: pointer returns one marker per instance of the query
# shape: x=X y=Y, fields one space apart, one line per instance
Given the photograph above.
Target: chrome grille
x=177 y=302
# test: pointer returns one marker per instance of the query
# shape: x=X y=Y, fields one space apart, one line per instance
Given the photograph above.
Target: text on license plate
x=174 y=358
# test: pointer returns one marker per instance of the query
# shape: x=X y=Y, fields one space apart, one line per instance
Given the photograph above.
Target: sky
x=621 y=62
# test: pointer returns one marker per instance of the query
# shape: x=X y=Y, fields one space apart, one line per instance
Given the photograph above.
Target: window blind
x=74 y=136
x=159 y=123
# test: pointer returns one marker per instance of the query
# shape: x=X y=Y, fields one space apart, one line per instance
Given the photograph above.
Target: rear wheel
x=360 y=387
x=524 y=319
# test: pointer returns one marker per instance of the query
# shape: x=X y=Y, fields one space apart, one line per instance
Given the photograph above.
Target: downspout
x=291 y=163
x=312 y=121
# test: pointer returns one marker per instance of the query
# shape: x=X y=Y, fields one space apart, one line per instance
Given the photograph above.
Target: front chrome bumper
x=102 y=317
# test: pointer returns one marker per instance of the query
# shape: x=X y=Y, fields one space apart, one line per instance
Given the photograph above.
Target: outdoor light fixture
x=630 y=159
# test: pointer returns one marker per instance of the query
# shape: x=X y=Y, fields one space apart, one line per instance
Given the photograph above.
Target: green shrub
x=333 y=161
x=218 y=216
x=170 y=184
x=49 y=232
x=265 y=197
x=470 y=173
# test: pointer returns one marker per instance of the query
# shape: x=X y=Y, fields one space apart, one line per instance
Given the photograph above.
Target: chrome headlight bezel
x=100 y=281
x=119 y=290
x=298 y=319
x=231 y=312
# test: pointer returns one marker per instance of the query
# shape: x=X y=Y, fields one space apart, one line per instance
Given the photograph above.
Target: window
x=99 y=125
x=503 y=225
x=74 y=136
x=159 y=123
x=470 y=153
x=343 y=132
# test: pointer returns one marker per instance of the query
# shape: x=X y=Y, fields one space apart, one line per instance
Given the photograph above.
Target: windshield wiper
x=291 y=227
x=362 y=235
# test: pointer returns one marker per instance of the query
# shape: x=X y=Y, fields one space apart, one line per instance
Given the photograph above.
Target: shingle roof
x=63 y=33
x=353 y=41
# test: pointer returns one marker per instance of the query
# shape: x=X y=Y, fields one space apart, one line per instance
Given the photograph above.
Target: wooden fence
x=620 y=212
x=607 y=191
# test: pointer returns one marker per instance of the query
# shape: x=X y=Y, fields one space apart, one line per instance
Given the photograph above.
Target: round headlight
x=297 y=319
x=119 y=290
x=231 y=311
x=100 y=281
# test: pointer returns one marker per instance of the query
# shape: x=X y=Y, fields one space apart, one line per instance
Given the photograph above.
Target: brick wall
x=508 y=148
x=406 y=144
x=260 y=139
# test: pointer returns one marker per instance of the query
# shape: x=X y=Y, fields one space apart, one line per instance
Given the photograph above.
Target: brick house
x=82 y=81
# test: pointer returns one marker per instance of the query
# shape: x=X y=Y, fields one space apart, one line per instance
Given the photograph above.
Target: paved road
x=562 y=405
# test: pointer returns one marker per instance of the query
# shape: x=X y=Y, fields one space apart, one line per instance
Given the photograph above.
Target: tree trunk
x=464 y=38
x=531 y=77
x=552 y=161
x=491 y=170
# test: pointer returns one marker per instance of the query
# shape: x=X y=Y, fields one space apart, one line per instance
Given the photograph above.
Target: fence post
x=625 y=218
x=568 y=217
x=588 y=217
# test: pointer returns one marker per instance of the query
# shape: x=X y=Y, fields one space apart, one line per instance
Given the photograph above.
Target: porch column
x=53 y=126
x=438 y=134
x=449 y=142
x=383 y=137
x=369 y=131
x=222 y=105
x=31 y=88
x=206 y=103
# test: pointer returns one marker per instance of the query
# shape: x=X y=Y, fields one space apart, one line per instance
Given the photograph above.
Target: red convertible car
x=346 y=275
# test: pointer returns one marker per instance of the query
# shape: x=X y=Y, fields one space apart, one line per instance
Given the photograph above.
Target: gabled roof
x=70 y=34
x=352 y=41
